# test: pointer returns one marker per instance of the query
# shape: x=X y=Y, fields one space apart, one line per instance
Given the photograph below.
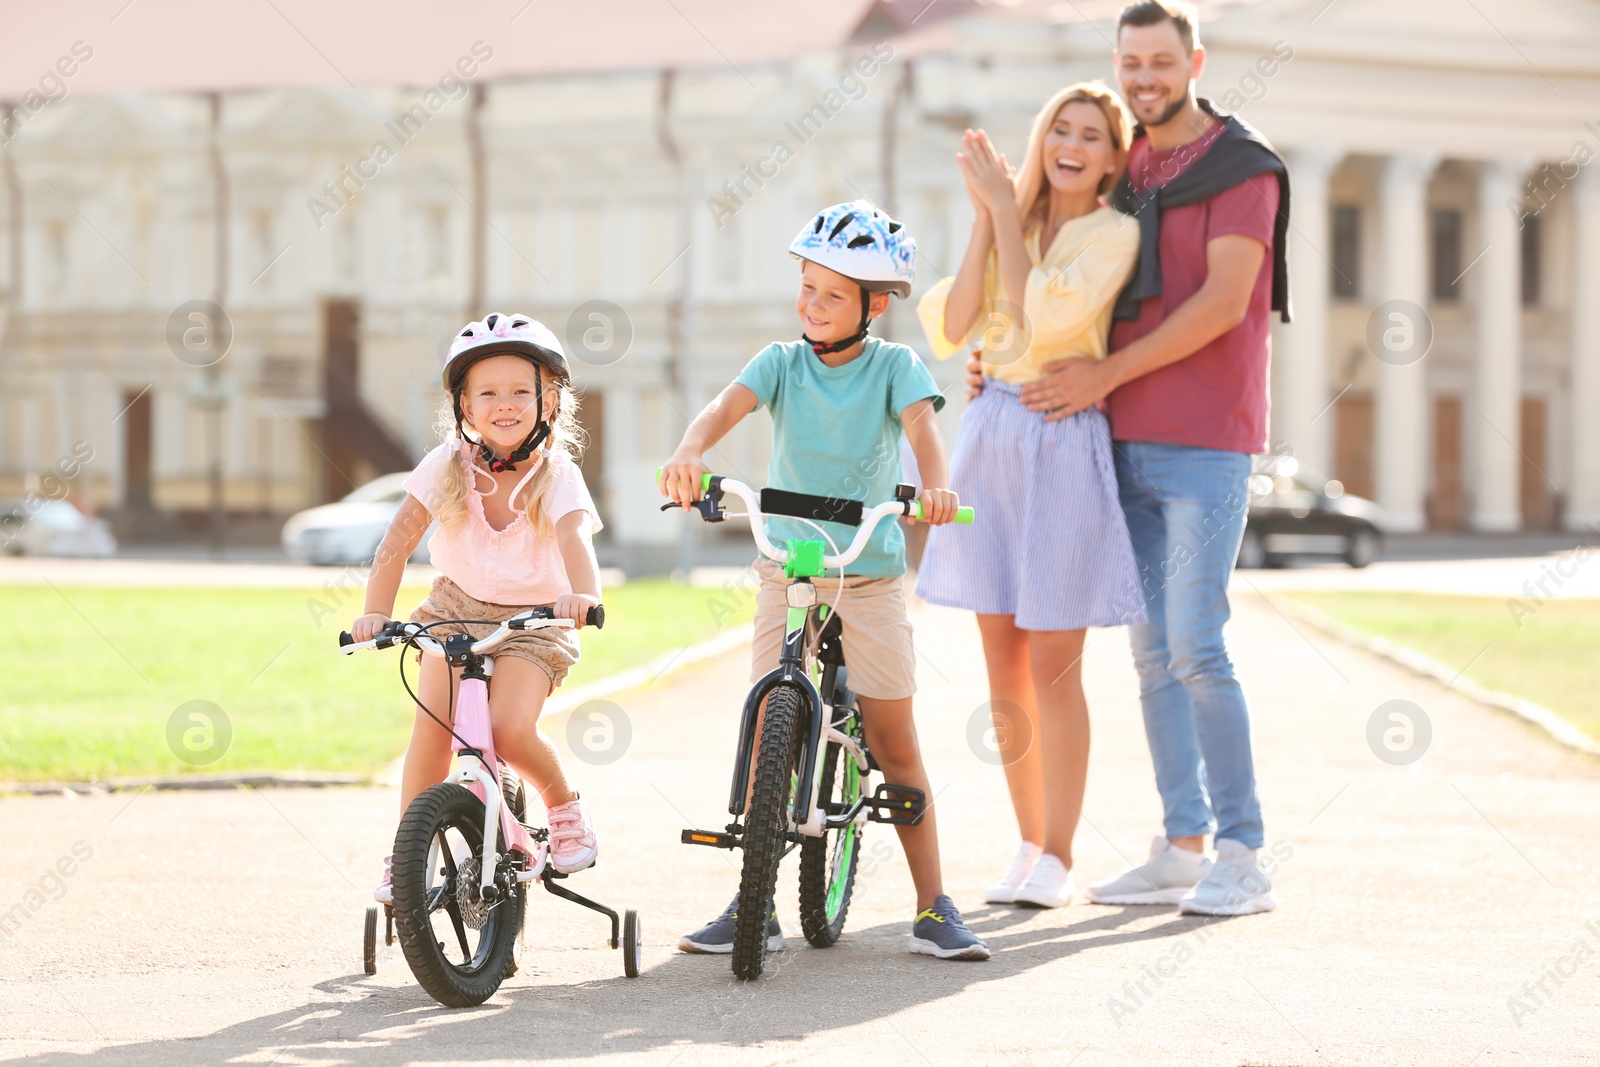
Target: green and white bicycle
x=807 y=775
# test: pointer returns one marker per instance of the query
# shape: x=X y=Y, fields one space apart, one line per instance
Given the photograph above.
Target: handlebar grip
x=597 y=617
x=963 y=517
x=705 y=479
x=345 y=638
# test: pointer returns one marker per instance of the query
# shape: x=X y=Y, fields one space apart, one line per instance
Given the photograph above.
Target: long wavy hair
x=566 y=436
x=1033 y=189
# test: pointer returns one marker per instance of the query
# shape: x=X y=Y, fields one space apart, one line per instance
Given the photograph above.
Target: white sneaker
x=1236 y=885
x=1164 y=878
x=1049 y=885
x=1005 y=891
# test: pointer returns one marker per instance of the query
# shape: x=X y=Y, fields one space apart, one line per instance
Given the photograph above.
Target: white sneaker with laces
x=1049 y=884
x=1005 y=890
x=1236 y=885
x=1164 y=878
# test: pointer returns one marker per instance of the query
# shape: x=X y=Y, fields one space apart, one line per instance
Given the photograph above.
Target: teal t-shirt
x=836 y=433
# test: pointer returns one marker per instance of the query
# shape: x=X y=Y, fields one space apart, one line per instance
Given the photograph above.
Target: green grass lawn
x=1550 y=659
x=94 y=675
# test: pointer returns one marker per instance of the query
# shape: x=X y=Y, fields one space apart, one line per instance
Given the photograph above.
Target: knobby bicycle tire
x=828 y=863
x=766 y=829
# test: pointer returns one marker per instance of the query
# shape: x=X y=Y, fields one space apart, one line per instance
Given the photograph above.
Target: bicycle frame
x=816 y=733
x=477 y=769
x=472 y=741
x=803 y=560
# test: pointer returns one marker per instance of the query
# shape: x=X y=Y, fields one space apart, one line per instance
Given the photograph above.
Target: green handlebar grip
x=705 y=479
x=963 y=513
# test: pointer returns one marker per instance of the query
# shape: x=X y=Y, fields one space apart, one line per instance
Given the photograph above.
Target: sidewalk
x=1416 y=902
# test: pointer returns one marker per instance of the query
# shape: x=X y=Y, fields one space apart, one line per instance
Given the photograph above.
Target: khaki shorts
x=552 y=649
x=872 y=616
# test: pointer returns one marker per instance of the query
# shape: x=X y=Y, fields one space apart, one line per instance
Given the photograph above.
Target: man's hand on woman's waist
x=1068 y=387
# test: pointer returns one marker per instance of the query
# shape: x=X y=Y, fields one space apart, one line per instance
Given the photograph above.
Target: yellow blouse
x=1066 y=310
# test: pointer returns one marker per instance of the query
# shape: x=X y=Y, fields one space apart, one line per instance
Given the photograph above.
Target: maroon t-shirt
x=1216 y=397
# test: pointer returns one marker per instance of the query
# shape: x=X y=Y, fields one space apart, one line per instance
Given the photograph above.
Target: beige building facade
x=1445 y=249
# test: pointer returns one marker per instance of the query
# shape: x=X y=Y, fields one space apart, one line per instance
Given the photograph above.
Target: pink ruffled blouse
x=514 y=566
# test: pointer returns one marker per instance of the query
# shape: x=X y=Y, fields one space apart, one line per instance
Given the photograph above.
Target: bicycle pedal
x=897 y=805
x=711 y=838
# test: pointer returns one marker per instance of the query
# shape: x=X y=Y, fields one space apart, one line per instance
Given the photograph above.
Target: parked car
x=349 y=530
x=1295 y=512
x=36 y=527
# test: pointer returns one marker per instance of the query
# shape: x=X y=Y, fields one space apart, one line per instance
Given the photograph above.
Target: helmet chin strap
x=827 y=348
x=531 y=442
x=523 y=451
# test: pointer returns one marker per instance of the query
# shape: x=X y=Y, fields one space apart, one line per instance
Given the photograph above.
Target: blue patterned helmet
x=862 y=243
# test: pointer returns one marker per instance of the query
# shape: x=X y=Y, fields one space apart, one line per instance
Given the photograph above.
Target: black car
x=1294 y=512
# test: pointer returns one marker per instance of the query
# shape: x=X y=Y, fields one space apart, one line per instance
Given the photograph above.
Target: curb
x=1428 y=667
x=648 y=673
x=564 y=703
x=188 y=781
x=558 y=706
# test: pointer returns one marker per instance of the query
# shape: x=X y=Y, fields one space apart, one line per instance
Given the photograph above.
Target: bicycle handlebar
x=869 y=519
x=396 y=632
x=964 y=513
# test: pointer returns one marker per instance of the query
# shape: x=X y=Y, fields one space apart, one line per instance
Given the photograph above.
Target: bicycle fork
x=899 y=805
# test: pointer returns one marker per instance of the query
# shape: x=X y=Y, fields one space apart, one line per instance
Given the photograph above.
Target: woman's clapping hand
x=990 y=180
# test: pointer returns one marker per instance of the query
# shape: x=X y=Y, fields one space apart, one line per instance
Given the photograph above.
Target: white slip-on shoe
x=1164 y=878
x=1005 y=890
x=1049 y=884
x=1236 y=885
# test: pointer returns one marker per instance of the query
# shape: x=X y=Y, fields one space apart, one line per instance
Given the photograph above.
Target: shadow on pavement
x=680 y=1002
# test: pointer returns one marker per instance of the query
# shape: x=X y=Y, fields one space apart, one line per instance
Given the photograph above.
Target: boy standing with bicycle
x=840 y=401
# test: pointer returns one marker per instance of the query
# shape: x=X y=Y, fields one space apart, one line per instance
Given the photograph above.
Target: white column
x=1583 y=508
x=1302 y=361
x=1497 y=378
x=1400 y=455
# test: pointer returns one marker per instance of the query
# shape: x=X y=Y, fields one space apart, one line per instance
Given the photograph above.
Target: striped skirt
x=1049 y=544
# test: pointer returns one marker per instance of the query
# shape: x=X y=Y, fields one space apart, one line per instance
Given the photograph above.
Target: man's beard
x=1172 y=110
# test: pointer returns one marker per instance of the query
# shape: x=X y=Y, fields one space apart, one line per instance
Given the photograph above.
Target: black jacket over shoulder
x=1239 y=153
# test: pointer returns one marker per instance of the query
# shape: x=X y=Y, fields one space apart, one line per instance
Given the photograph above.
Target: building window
x=1532 y=244
x=1447 y=255
x=1346 y=251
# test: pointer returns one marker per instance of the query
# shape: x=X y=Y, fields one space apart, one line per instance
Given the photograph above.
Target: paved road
x=1416 y=900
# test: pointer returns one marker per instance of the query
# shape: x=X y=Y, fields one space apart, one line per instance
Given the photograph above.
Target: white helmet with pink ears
x=503 y=335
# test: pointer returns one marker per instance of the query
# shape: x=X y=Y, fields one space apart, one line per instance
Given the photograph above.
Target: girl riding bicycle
x=515 y=526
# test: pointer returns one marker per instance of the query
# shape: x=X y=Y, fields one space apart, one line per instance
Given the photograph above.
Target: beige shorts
x=553 y=649
x=872 y=616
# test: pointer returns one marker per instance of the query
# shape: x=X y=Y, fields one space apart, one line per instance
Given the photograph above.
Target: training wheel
x=632 y=944
x=369 y=941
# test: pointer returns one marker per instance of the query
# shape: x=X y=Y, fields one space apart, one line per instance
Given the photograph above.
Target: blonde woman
x=1049 y=554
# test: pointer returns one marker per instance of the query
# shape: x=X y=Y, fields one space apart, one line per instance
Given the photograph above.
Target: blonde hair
x=1033 y=192
x=566 y=437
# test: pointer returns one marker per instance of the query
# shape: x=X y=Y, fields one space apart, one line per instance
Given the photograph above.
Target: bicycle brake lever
x=709 y=509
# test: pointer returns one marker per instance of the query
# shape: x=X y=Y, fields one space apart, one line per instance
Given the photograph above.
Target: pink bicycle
x=463 y=855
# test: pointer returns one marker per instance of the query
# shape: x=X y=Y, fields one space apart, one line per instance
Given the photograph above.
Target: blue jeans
x=1186 y=509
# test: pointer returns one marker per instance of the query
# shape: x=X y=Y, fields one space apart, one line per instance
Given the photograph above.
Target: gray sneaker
x=717 y=935
x=939 y=932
